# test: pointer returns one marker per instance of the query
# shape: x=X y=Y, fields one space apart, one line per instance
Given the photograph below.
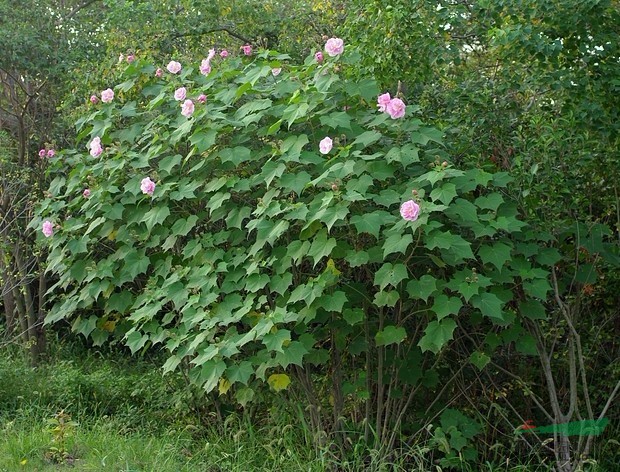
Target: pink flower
x=51 y=153
x=159 y=72
x=147 y=186
x=211 y=54
x=326 y=145
x=86 y=193
x=47 y=228
x=187 y=108
x=383 y=101
x=410 y=210
x=93 y=99
x=247 y=50
x=224 y=53
x=42 y=153
x=202 y=98
x=131 y=58
x=395 y=108
x=205 y=67
x=318 y=56
x=174 y=67
x=334 y=46
x=276 y=71
x=180 y=94
x=107 y=95
x=95 y=147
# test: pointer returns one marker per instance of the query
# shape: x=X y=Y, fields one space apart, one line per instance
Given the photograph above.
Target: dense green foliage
x=221 y=231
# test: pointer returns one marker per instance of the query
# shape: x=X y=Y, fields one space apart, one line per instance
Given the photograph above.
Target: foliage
x=258 y=257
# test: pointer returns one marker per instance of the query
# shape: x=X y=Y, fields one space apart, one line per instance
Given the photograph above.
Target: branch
x=226 y=29
x=77 y=8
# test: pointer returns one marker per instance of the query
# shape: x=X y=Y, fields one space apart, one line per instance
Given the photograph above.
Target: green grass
x=129 y=418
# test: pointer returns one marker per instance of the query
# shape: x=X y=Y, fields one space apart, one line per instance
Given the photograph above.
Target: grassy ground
x=105 y=412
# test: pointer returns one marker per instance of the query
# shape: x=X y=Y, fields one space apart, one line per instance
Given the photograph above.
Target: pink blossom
x=180 y=94
x=107 y=95
x=174 y=67
x=326 y=145
x=202 y=98
x=131 y=58
x=159 y=72
x=95 y=147
x=47 y=228
x=51 y=153
x=396 y=108
x=205 y=67
x=276 y=71
x=224 y=53
x=147 y=186
x=187 y=108
x=247 y=50
x=93 y=99
x=318 y=56
x=42 y=153
x=211 y=54
x=410 y=210
x=334 y=46
x=86 y=193
x=383 y=101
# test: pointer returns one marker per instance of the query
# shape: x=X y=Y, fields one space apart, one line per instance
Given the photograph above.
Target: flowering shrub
x=282 y=231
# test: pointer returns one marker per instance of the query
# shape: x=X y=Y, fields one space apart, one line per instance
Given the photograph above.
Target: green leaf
x=240 y=372
x=370 y=222
x=333 y=302
x=169 y=162
x=445 y=194
x=155 y=216
x=235 y=155
x=357 y=258
x=537 y=288
x=367 y=138
x=533 y=309
x=183 y=226
x=490 y=306
x=390 y=335
x=295 y=182
x=321 y=247
x=390 y=274
x=479 y=359
x=292 y=353
x=422 y=288
x=397 y=243
x=135 y=262
x=444 y=306
x=353 y=316
x=274 y=341
x=548 y=256
x=437 y=334
x=490 y=202
x=497 y=254
x=384 y=298
x=135 y=341
x=337 y=119
x=203 y=140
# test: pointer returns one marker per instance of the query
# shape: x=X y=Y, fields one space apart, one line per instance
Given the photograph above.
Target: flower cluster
x=107 y=95
x=95 y=147
x=410 y=210
x=147 y=186
x=394 y=107
x=46 y=153
x=174 y=67
x=334 y=46
x=47 y=228
x=205 y=65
